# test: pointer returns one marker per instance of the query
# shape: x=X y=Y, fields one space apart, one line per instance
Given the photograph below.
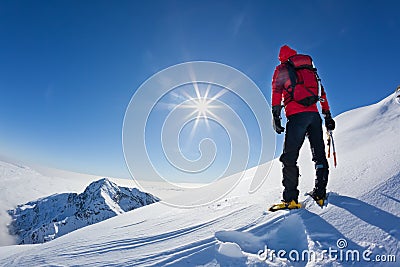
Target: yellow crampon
x=285 y=206
x=320 y=202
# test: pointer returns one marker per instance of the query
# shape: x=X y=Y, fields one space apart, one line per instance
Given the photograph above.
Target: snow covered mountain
x=48 y=218
x=361 y=219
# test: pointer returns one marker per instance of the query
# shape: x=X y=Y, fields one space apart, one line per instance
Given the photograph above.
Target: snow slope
x=363 y=214
x=20 y=183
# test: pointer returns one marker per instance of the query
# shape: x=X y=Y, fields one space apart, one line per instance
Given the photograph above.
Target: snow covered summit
x=47 y=218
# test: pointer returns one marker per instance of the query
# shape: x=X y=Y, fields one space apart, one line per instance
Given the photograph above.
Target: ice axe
x=330 y=142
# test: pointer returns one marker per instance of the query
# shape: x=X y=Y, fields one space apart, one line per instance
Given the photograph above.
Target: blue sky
x=69 y=68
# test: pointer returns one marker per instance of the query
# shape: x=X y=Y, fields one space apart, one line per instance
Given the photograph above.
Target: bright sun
x=203 y=105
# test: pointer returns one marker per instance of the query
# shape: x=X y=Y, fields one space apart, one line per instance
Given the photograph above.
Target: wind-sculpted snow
x=47 y=218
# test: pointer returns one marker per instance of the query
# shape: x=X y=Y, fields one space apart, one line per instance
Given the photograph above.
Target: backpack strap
x=292 y=74
x=293 y=80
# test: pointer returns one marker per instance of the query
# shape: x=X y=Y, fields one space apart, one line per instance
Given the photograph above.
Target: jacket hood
x=285 y=53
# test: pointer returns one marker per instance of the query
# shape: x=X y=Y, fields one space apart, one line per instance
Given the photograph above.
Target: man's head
x=285 y=53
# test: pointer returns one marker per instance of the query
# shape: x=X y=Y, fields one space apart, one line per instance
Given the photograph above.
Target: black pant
x=298 y=127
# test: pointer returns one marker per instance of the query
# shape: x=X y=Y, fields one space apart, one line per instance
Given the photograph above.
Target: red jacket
x=281 y=80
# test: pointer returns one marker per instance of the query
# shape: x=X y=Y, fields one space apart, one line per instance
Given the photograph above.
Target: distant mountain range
x=47 y=218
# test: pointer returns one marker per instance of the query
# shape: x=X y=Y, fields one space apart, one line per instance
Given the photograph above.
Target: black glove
x=329 y=122
x=276 y=122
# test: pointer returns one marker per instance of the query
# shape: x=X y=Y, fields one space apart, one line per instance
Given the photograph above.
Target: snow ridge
x=47 y=218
